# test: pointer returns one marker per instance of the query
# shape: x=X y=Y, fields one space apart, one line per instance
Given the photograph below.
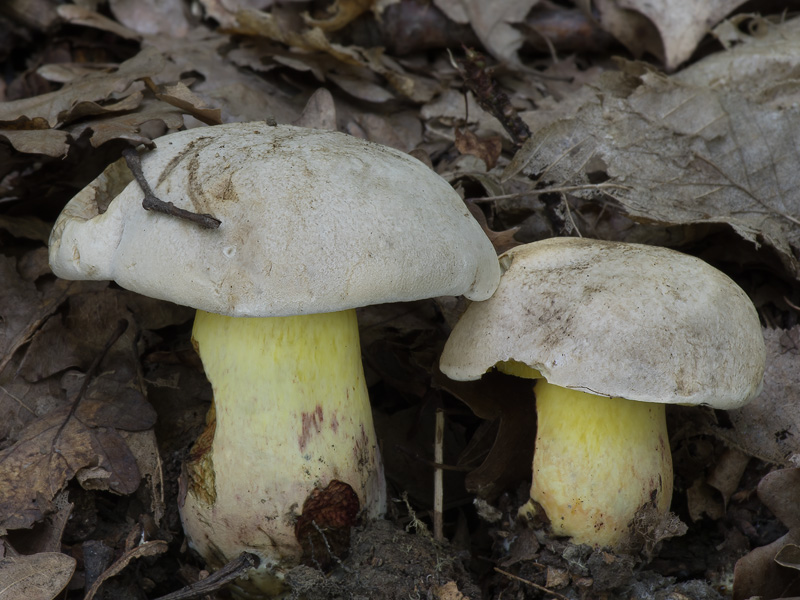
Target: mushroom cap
x=615 y=319
x=312 y=221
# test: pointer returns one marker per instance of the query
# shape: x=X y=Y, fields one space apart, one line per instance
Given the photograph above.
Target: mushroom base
x=291 y=415
x=597 y=462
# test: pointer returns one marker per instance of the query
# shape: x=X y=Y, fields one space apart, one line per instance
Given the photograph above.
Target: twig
x=152 y=202
x=438 y=484
x=430 y=463
x=541 y=588
x=478 y=79
x=217 y=580
x=552 y=190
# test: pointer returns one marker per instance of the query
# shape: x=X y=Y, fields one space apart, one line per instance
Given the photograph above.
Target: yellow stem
x=597 y=461
x=292 y=414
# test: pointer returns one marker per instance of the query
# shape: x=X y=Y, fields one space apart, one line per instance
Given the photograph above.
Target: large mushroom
x=611 y=332
x=313 y=225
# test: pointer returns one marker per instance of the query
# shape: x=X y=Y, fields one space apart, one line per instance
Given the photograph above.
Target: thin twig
x=152 y=202
x=438 y=483
x=553 y=190
x=541 y=588
x=217 y=580
x=430 y=463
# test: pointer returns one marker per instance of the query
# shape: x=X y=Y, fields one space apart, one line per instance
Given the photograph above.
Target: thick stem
x=598 y=461
x=292 y=415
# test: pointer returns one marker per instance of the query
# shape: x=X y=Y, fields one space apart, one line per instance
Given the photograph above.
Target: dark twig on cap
x=152 y=202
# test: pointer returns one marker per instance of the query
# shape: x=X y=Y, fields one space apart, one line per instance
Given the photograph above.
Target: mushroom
x=612 y=332
x=313 y=225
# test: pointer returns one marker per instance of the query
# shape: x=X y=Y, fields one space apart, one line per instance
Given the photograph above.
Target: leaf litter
x=617 y=148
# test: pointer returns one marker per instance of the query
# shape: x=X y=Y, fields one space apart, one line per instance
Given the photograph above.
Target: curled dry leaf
x=771 y=571
x=662 y=28
x=36 y=577
x=509 y=401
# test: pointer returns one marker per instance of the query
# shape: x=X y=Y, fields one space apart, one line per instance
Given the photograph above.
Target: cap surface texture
x=312 y=221
x=615 y=319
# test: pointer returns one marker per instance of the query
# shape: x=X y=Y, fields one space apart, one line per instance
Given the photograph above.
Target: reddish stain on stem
x=312 y=423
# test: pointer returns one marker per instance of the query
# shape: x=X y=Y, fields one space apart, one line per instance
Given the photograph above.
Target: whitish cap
x=312 y=221
x=627 y=320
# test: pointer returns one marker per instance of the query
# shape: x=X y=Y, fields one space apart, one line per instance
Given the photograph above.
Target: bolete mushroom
x=313 y=225
x=611 y=332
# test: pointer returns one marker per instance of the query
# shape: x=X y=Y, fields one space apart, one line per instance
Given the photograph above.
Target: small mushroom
x=313 y=225
x=611 y=332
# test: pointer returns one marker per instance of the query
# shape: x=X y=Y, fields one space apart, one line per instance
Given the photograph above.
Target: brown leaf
x=50 y=452
x=50 y=142
x=23 y=308
x=779 y=491
x=771 y=571
x=82 y=434
x=501 y=240
x=83 y=16
x=57 y=107
x=36 y=577
x=488 y=149
x=508 y=400
x=758 y=574
x=181 y=96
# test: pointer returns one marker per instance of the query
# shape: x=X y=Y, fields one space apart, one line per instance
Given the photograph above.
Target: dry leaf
x=55 y=448
x=488 y=149
x=769 y=427
x=761 y=572
x=23 y=308
x=779 y=491
x=501 y=240
x=672 y=153
x=253 y=22
x=758 y=574
x=146 y=549
x=152 y=17
x=36 y=577
x=57 y=107
x=666 y=30
x=493 y=22
x=319 y=112
x=342 y=12
x=81 y=15
x=180 y=95
x=509 y=401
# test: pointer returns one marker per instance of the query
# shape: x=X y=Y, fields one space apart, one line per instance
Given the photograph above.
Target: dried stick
x=438 y=483
x=152 y=202
x=541 y=588
x=217 y=580
x=478 y=79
